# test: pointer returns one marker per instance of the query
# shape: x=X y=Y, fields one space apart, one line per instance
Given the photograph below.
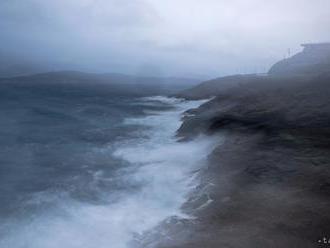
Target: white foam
x=162 y=170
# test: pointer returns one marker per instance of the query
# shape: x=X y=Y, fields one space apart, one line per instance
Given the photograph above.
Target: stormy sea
x=88 y=170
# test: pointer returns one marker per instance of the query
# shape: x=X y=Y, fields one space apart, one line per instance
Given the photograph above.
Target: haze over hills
x=113 y=83
x=313 y=61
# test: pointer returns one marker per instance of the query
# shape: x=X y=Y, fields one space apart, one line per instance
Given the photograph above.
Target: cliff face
x=314 y=59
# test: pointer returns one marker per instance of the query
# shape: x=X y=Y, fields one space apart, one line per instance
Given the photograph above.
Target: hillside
x=214 y=87
x=314 y=59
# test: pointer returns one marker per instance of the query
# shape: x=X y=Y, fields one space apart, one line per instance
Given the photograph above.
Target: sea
x=89 y=171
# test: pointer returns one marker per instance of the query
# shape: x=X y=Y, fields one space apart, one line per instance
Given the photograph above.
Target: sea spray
x=157 y=180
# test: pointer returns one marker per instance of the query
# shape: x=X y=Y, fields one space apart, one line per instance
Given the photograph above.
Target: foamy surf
x=160 y=176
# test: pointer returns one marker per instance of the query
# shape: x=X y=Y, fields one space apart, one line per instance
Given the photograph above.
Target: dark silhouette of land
x=76 y=83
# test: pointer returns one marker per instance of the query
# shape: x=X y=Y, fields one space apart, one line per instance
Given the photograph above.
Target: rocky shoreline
x=267 y=184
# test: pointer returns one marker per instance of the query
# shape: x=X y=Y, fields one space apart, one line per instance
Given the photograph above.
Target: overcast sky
x=163 y=37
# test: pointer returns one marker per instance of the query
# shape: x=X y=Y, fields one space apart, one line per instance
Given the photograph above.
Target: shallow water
x=93 y=173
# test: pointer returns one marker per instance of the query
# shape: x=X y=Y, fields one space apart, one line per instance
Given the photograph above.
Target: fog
x=156 y=37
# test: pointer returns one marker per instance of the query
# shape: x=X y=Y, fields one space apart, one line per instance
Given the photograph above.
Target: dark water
x=51 y=141
x=74 y=166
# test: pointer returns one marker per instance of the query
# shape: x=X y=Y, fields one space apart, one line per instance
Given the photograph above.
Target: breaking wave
x=157 y=178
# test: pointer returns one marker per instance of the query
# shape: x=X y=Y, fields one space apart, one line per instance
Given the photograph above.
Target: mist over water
x=146 y=179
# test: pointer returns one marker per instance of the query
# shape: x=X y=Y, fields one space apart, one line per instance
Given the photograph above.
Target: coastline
x=140 y=179
x=267 y=183
x=169 y=167
x=253 y=205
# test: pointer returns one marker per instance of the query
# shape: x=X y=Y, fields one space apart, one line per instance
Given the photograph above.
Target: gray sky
x=162 y=37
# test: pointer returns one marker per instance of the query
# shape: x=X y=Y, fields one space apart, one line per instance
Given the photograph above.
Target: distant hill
x=312 y=62
x=74 y=82
x=314 y=59
x=215 y=86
